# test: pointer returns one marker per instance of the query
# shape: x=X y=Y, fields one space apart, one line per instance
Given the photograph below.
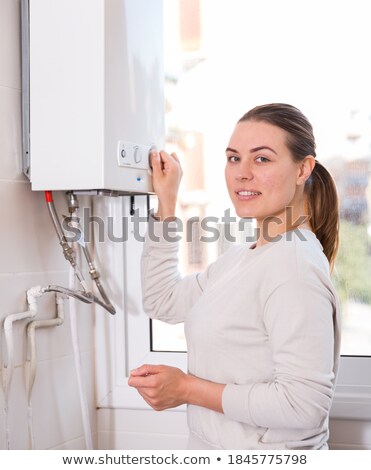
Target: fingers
x=159 y=385
x=156 y=157
x=143 y=375
x=167 y=174
x=175 y=156
x=155 y=161
x=166 y=157
x=141 y=382
x=146 y=369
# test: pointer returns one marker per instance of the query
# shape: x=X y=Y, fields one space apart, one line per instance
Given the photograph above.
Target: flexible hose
x=95 y=276
x=70 y=255
x=86 y=297
x=67 y=250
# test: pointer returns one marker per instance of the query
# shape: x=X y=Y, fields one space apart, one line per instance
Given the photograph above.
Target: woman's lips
x=246 y=195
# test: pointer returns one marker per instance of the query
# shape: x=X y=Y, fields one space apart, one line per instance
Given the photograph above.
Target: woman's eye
x=262 y=159
x=233 y=158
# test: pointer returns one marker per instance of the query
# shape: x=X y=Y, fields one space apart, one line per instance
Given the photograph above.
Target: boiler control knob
x=137 y=155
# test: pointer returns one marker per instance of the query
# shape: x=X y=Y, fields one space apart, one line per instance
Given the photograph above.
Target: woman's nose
x=244 y=172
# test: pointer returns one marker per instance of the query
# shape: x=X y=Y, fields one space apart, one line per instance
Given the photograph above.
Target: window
x=237 y=56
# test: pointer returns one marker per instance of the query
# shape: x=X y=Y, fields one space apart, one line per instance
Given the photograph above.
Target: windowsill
x=352 y=402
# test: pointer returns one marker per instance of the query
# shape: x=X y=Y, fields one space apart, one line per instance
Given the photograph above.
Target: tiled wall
x=30 y=255
x=142 y=429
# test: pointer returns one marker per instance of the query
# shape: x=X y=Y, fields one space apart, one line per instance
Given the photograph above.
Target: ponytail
x=323 y=205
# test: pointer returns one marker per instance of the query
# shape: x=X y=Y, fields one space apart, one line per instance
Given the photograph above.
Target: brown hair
x=320 y=188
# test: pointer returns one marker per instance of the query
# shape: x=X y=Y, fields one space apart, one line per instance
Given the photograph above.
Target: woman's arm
x=164 y=387
x=300 y=320
x=167 y=295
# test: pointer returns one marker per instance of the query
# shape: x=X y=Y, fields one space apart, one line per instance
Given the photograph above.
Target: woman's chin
x=244 y=214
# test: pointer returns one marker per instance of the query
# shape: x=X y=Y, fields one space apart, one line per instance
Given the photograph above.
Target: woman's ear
x=305 y=169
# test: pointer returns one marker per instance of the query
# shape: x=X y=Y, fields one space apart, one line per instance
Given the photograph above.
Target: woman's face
x=261 y=175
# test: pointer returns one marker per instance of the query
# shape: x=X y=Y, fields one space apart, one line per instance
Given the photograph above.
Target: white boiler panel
x=96 y=101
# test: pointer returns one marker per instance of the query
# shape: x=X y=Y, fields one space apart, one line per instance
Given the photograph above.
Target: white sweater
x=264 y=321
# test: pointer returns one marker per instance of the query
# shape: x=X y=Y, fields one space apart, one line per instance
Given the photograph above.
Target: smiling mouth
x=247 y=193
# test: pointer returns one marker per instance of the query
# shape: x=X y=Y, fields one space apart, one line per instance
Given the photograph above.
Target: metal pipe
x=67 y=250
x=94 y=273
x=86 y=295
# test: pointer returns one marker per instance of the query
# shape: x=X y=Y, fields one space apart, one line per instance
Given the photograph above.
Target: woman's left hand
x=162 y=387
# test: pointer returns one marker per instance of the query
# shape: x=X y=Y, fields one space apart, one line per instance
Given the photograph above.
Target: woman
x=262 y=322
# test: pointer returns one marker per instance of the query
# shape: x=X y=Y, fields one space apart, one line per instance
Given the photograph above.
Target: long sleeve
x=167 y=295
x=299 y=320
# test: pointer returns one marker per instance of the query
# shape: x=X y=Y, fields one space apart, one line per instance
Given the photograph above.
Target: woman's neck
x=271 y=227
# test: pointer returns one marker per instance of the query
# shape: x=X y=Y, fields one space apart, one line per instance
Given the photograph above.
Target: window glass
x=221 y=59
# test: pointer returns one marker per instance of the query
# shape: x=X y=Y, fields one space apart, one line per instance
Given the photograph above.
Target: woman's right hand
x=166 y=174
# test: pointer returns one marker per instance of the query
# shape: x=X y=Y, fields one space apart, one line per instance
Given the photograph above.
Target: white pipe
x=77 y=357
x=8 y=369
x=31 y=330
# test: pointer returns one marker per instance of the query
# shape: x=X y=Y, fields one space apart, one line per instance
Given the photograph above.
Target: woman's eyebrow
x=263 y=147
x=229 y=149
x=256 y=149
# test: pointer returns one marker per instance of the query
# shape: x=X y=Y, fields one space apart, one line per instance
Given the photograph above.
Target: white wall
x=30 y=255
